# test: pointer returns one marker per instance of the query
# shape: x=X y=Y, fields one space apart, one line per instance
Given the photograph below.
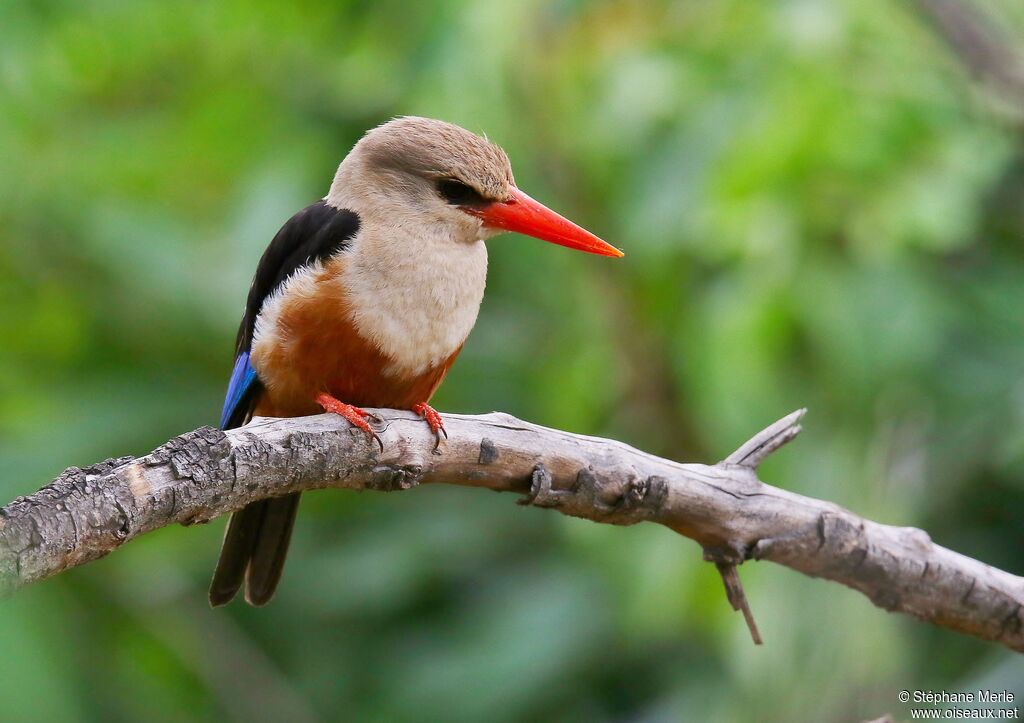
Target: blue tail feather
x=243 y=376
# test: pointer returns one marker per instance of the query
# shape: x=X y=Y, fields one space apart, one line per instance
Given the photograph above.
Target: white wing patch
x=268 y=333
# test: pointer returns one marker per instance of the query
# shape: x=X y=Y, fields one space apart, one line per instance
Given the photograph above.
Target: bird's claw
x=352 y=414
x=433 y=420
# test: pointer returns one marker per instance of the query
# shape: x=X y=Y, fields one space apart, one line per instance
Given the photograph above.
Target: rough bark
x=86 y=513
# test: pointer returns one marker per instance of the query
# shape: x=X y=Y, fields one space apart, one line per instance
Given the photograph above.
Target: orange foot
x=353 y=415
x=433 y=420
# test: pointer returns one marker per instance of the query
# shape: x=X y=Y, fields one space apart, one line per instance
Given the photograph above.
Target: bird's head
x=414 y=170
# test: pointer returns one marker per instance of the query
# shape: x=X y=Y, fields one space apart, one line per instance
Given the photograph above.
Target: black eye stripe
x=458 y=193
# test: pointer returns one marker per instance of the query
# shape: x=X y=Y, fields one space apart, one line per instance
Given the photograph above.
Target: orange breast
x=312 y=347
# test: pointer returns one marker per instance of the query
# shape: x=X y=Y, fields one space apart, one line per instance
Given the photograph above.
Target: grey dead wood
x=87 y=513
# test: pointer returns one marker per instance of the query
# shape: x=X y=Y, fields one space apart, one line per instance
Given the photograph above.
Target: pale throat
x=413 y=290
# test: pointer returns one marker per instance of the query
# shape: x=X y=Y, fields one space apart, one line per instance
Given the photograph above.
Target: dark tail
x=254 y=549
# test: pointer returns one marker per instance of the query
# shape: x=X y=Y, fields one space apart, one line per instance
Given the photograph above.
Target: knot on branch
x=489 y=453
x=394 y=478
x=639 y=499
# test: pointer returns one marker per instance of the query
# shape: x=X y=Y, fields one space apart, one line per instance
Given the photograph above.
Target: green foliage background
x=819 y=207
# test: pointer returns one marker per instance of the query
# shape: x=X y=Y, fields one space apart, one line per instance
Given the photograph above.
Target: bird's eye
x=458 y=193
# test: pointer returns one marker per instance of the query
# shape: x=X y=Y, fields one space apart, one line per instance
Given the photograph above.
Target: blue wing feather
x=243 y=376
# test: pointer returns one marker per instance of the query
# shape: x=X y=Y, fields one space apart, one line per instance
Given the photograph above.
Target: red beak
x=524 y=215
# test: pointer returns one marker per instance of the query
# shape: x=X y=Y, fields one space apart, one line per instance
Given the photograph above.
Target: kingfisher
x=365 y=298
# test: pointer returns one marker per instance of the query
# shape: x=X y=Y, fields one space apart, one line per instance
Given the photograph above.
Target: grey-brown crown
x=436 y=149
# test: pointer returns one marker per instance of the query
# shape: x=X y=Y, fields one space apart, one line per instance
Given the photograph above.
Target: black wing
x=313 y=234
x=257 y=537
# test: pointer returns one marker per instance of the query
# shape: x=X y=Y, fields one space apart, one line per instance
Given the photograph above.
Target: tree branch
x=86 y=513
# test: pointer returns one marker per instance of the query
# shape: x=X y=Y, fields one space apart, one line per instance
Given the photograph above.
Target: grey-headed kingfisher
x=365 y=298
